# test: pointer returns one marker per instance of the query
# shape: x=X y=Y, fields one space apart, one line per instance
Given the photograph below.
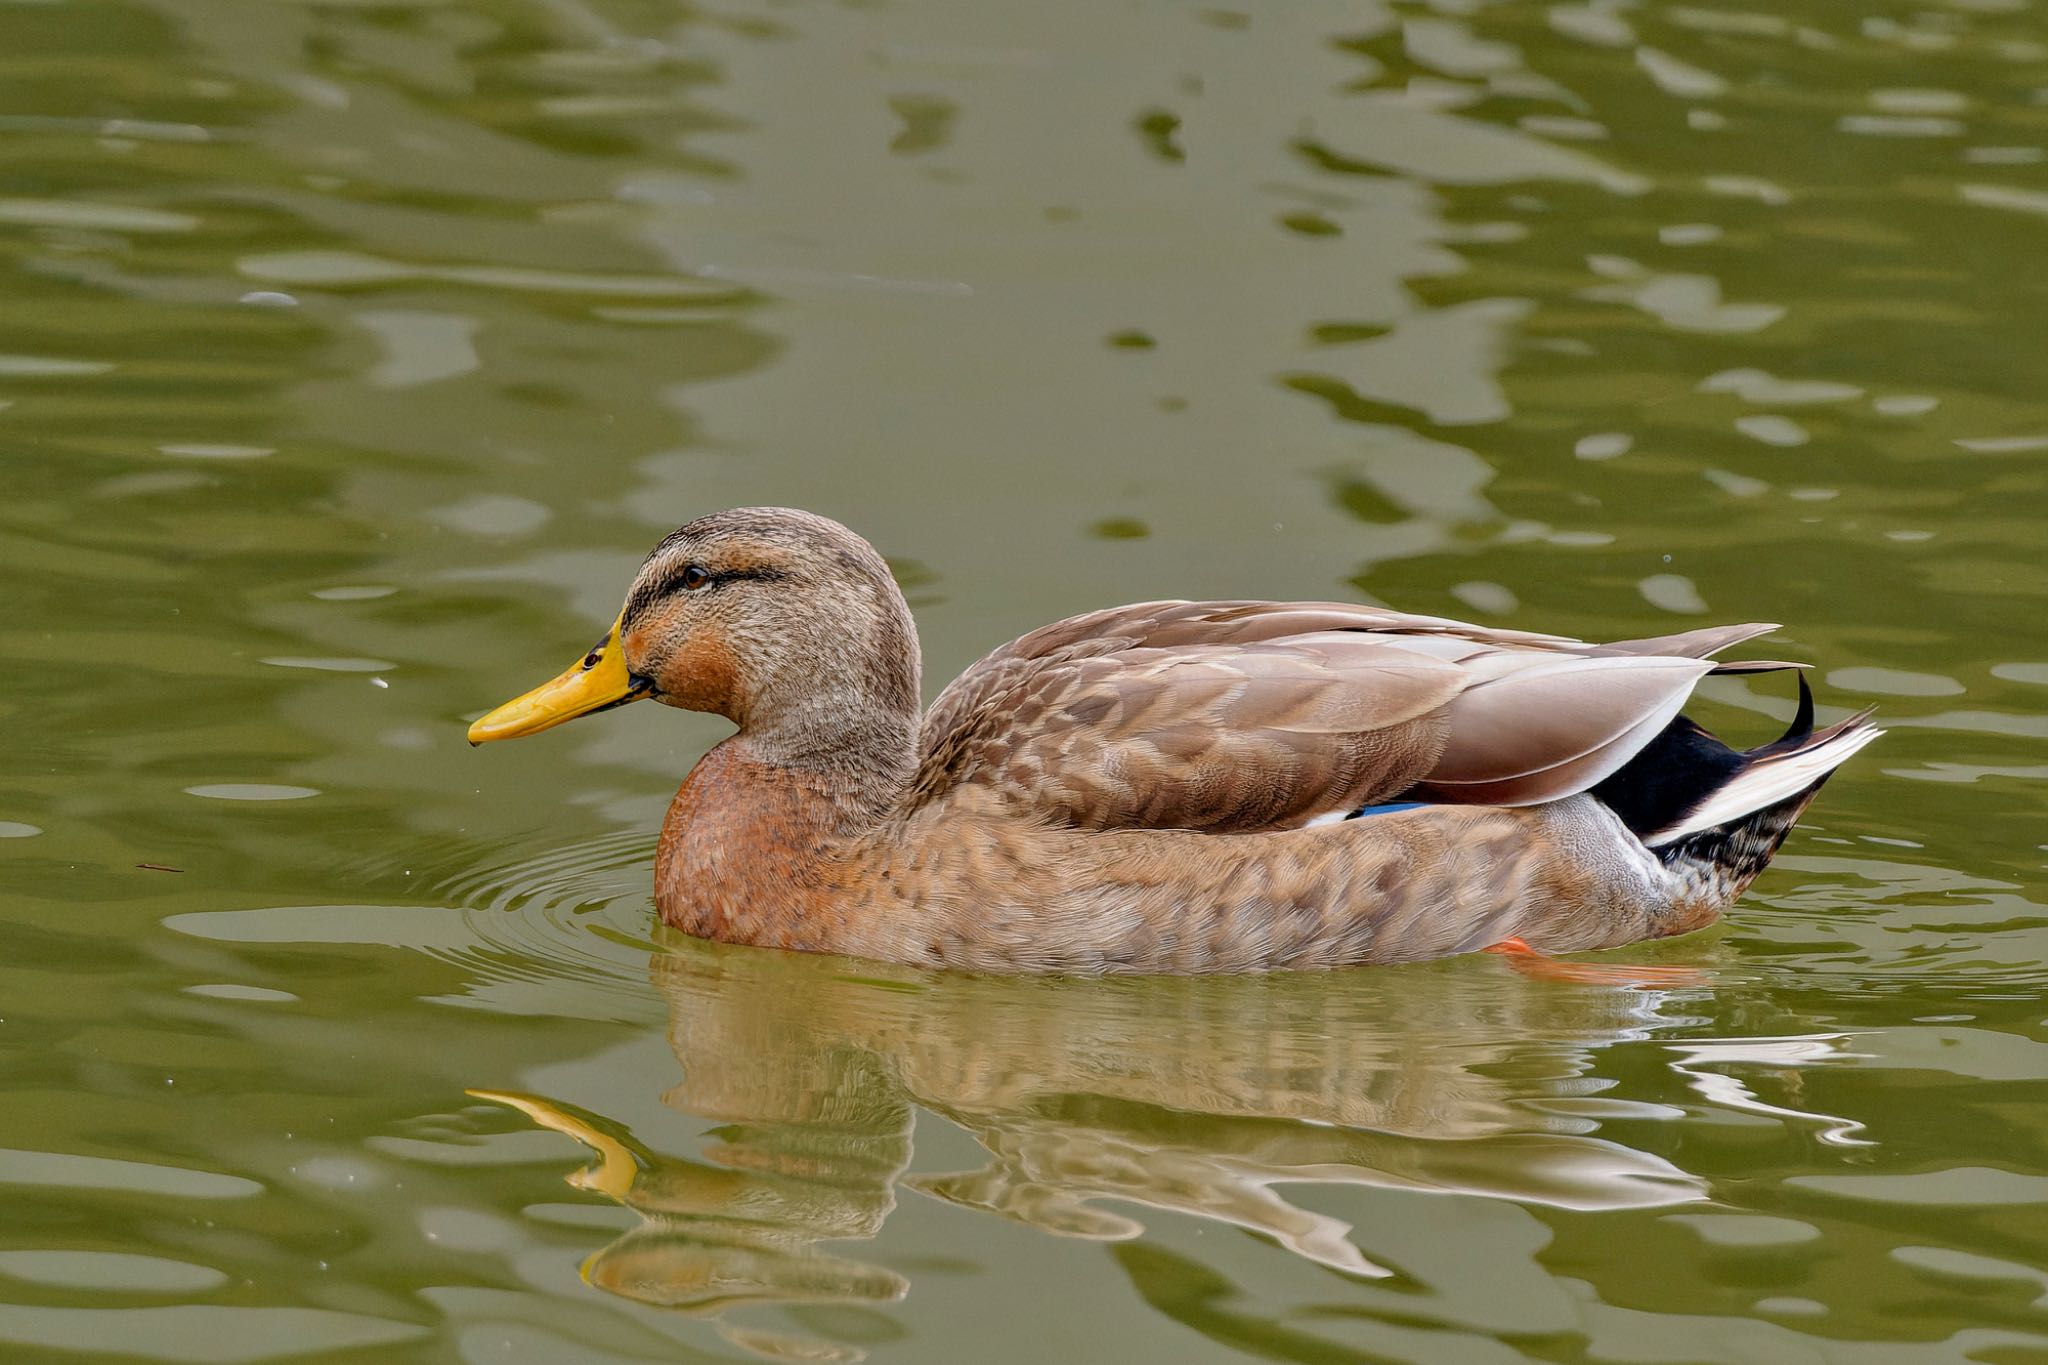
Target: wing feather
x=1231 y=717
x=1541 y=732
x=1693 y=644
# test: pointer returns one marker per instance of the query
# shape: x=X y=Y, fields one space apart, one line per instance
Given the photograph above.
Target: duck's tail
x=1717 y=815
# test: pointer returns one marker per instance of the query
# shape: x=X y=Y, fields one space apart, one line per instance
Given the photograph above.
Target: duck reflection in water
x=1095 y=1101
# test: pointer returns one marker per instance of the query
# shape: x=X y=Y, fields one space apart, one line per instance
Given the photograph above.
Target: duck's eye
x=695 y=577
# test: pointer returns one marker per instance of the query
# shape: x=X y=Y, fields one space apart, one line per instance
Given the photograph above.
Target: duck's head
x=784 y=622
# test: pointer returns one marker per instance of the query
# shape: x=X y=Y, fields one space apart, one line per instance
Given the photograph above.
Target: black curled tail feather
x=1745 y=847
x=1719 y=860
x=1684 y=765
x=1715 y=815
x=1798 y=732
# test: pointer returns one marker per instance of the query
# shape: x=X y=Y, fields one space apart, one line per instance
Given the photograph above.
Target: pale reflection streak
x=1200 y=1097
x=1731 y=1092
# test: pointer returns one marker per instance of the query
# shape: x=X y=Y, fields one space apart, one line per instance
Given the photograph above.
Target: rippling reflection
x=1098 y=1105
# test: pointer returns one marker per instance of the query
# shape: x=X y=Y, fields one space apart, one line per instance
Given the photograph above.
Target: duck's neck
x=838 y=707
x=855 y=773
x=767 y=830
x=760 y=851
x=765 y=837
x=860 y=750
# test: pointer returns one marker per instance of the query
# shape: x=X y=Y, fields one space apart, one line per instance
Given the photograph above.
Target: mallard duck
x=1172 y=787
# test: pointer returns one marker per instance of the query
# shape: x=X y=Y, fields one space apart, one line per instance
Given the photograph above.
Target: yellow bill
x=597 y=681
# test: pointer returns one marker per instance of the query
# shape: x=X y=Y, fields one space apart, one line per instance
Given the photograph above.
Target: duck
x=1172 y=787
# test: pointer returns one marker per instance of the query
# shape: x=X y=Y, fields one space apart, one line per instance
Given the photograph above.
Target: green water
x=351 y=354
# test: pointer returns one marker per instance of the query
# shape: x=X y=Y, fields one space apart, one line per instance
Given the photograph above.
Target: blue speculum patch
x=1387 y=809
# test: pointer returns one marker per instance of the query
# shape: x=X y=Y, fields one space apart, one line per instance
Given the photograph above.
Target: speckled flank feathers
x=1132 y=790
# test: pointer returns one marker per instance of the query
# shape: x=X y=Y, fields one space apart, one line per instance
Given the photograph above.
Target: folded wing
x=1233 y=717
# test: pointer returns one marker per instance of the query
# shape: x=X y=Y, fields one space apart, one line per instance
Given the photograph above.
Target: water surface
x=352 y=354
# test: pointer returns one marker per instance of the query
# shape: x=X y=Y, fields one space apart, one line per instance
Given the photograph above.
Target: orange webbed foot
x=1541 y=966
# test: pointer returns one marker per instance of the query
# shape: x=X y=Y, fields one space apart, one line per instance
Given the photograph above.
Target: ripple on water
x=78 y=213
x=251 y=791
x=2002 y=445
x=1746 y=1229
x=561 y=933
x=494 y=514
x=1772 y=430
x=1970 y=772
x=1673 y=592
x=1604 y=445
x=49 y=367
x=23 y=1167
x=331 y=665
x=205 y=1334
x=363 y=592
x=217 y=451
x=227 y=990
x=1964 y=1265
x=1957 y=1187
x=1874 y=918
x=114 y=1270
x=1895 y=682
x=355 y=269
x=1766 y=389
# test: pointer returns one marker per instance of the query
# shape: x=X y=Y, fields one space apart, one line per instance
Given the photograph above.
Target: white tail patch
x=1769 y=781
